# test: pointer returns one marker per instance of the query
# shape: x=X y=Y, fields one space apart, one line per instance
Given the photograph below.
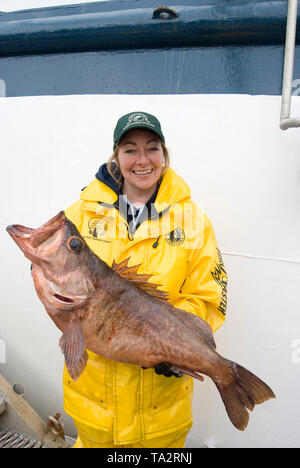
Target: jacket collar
x=104 y=176
x=104 y=190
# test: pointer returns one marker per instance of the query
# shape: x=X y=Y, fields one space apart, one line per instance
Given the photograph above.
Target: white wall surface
x=243 y=171
x=14 y=5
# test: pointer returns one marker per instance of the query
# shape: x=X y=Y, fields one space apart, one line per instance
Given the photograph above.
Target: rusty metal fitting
x=57 y=427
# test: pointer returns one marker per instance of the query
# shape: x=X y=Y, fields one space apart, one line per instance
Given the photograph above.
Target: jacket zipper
x=130 y=234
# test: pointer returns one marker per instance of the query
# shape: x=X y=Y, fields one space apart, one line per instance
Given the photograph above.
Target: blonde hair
x=113 y=166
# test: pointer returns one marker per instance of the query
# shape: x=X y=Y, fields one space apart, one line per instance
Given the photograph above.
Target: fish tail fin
x=243 y=391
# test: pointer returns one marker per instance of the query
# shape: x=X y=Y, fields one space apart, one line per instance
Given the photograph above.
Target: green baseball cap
x=136 y=120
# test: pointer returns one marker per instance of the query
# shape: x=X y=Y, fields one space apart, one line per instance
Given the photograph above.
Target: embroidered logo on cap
x=138 y=118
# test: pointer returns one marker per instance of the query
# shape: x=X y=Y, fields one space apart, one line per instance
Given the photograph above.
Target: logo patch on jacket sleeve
x=220 y=276
x=176 y=237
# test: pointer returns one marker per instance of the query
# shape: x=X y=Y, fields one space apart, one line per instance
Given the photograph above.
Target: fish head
x=62 y=265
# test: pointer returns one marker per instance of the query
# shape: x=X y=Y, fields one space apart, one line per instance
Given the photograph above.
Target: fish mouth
x=64 y=299
x=61 y=298
x=19 y=231
x=55 y=296
x=29 y=240
x=20 y=234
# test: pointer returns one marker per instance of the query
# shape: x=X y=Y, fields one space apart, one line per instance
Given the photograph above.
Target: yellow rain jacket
x=177 y=246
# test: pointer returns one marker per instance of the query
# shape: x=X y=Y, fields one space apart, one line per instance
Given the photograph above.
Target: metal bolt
x=18 y=389
x=164 y=13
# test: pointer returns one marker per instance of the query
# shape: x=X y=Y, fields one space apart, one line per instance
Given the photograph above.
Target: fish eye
x=75 y=244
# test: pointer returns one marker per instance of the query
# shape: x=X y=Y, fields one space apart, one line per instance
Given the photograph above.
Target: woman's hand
x=164 y=368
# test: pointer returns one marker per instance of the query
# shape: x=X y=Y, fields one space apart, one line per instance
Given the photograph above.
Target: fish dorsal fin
x=139 y=279
x=194 y=321
x=205 y=330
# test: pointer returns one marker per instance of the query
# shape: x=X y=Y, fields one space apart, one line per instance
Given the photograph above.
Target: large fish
x=119 y=314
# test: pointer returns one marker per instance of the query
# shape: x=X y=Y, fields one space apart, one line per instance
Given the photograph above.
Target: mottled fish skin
x=119 y=314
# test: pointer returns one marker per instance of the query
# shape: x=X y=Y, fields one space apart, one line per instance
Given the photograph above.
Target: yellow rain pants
x=173 y=440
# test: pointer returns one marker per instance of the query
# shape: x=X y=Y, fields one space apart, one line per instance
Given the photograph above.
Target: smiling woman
x=129 y=216
x=140 y=160
x=149 y=156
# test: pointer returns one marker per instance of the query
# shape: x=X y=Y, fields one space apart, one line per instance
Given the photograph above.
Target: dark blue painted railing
x=116 y=47
x=116 y=25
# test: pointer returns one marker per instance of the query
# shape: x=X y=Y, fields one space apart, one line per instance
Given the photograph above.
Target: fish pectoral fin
x=72 y=346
